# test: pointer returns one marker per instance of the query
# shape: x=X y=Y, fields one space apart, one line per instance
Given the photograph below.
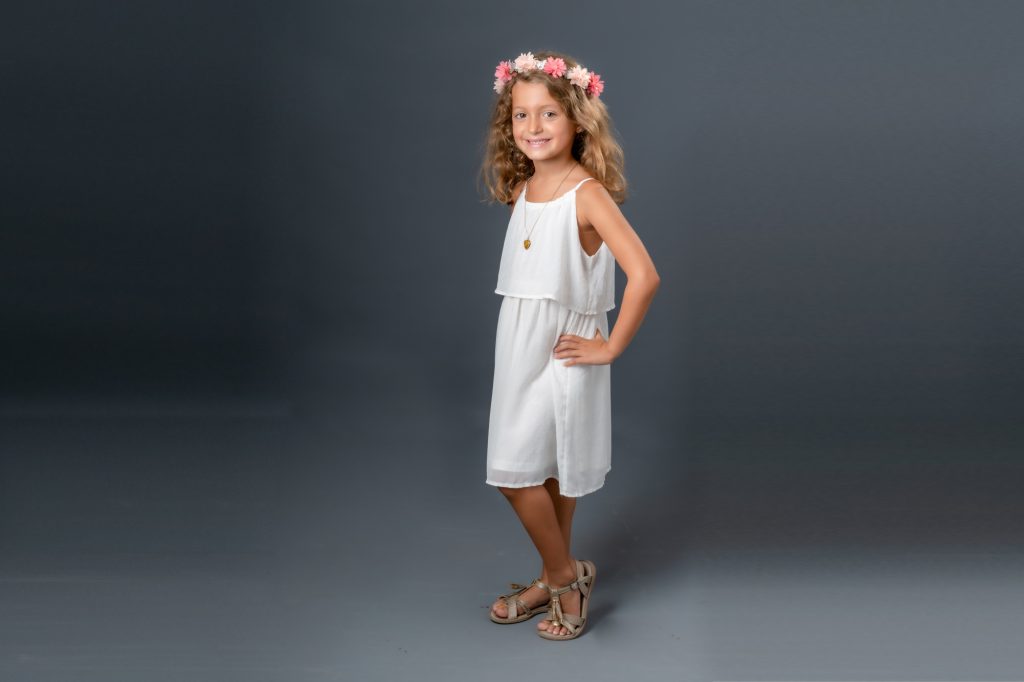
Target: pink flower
x=525 y=62
x=596 y=85
x=504 y=71
x=554 y=66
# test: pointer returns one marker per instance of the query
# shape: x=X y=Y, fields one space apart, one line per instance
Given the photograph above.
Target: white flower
x=525 y=62
x=579 y=76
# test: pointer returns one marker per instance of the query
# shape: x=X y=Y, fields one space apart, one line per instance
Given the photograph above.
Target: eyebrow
x=553 y=105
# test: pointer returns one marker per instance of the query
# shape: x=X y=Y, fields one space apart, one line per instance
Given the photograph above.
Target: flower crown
x=553 y=66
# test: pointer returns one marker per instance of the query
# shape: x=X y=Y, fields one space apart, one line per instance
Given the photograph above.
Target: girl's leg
x=536 y=509
x=564 y=509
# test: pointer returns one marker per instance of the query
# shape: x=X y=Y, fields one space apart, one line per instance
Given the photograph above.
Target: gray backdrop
x=249 y=321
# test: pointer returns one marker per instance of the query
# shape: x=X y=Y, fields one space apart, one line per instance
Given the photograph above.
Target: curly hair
x=595 y=147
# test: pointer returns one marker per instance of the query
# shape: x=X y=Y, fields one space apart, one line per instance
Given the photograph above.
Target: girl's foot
x=532 y=597
x=570 y=602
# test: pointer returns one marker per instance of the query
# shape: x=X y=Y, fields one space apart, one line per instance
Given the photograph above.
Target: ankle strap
x=574 y=585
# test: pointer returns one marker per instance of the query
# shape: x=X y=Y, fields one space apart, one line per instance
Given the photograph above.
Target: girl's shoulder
x=517 y=190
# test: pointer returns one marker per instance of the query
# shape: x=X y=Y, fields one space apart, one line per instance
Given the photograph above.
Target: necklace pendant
x=526 y=243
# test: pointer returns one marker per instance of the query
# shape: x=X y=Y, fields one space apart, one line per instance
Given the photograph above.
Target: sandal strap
x=581 y=584
x=555 y=613
x=569 y=621
x=513 y=604
x=516 y=589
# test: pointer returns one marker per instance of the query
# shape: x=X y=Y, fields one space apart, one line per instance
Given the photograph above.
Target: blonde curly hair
x=595 y=148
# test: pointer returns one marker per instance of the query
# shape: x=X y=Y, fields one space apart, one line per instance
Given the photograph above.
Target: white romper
x=548 y=420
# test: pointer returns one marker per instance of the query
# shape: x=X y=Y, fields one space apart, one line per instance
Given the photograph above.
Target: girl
x=552 y=157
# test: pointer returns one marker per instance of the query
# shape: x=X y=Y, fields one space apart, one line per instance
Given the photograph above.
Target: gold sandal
x=518 y=611
x=586 y=574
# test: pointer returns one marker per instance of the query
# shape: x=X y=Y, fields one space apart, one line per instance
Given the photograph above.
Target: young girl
x=552 y=156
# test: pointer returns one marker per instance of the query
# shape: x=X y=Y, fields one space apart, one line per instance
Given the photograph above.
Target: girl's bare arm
x=596 y=208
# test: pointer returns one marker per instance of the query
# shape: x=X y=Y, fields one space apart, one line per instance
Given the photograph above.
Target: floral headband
x=553 y=66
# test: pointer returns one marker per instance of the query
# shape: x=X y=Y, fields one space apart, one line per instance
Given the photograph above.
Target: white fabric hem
x=555 y=298
x=527 y=485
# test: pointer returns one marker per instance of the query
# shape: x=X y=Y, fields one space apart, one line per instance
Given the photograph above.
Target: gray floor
x=252 y=544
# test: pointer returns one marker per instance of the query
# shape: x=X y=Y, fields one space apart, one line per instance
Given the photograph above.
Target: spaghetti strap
x=522 y=193
x=578 y=184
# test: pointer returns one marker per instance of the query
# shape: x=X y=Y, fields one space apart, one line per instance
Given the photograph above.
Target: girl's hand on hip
x=582 y=351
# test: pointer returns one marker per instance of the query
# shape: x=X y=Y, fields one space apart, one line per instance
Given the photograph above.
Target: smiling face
x=540 y=126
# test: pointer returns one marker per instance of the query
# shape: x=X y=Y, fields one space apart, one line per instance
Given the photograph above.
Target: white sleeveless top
x=555 y=266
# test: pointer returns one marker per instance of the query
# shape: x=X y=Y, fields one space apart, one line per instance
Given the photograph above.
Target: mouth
x=539 y=142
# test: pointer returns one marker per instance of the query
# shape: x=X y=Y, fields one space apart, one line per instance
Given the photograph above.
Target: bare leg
x=547 y=519
x=564 y=509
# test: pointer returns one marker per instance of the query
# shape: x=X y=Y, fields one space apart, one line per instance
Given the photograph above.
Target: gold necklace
x=527 y=242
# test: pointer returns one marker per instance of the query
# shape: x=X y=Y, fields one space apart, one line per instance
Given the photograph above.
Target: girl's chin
x=546 y=150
